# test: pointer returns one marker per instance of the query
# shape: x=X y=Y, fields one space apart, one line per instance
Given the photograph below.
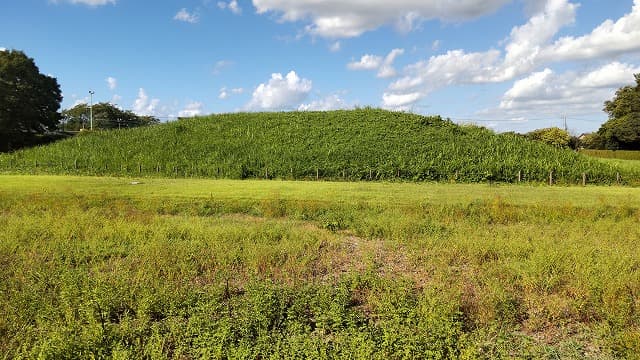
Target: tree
x=552 y=136
x=622 y=130
x=105 y=116
x=29 y=101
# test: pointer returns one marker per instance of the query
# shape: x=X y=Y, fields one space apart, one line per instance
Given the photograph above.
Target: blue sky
x=505 y=64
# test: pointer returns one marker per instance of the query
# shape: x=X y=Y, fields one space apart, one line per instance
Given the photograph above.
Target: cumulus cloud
x=231 y=5
x=367 y=62
x=521 y=55
x=529 y=47
x=607 y=40
x=331 y=102
x=280 y=92
x=3 y=49
x=576 y=92
x=373 y=62
x=143 y=105
x=387 y=70
x=112 y=83
x=186 y=16
x=400 y=101
x=192 y=109
x=93 y=3
x=343 y=19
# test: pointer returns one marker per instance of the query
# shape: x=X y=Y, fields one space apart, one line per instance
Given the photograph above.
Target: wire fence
x=240 y=171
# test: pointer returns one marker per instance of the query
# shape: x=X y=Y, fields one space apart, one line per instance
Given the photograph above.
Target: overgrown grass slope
x=363 y=144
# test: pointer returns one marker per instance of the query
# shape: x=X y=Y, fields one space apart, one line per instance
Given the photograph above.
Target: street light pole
x=91 y=92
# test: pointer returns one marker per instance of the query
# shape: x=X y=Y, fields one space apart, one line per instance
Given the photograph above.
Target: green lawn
x=329 y=192
x=165 y=268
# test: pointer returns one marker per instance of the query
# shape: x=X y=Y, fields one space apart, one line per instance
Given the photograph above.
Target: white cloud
x=529 y=47
x=607 y=40
x=143 y=105
x=112 y=83
x=341 y=19
x=231 y=5
x=186 y=16
x=435 y=46
x=87 y=2
x=400 y=101
x=454 y=67
x=221 y=65
x=192 y=109
x=374 y=62
x=367 y=62
x=386 y=70
x=280 y=92
x=521 y=55
x=612 y=76
x=547 y=92
x=116 y=99
x=331 y=102
x=335 y=46
x=3 y=49
x=225 y=93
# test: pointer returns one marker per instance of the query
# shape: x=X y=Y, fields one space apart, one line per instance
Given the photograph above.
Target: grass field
x=612 y=154
x=178 y=268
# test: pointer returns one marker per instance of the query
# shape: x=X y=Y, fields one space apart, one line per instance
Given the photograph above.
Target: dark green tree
x=105 y=116
x=622 y=130
x=29 y=101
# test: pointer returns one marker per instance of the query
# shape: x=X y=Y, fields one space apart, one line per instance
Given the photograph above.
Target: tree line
x=105 y=116
x=30 y=107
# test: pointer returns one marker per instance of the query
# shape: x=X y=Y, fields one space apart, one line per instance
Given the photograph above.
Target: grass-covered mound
x=352 y=145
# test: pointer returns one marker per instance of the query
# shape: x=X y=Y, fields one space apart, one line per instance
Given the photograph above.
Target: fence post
x=584 y=179
x=519 y=175
x=551 y=177
x=618 y=178
x=317 y=174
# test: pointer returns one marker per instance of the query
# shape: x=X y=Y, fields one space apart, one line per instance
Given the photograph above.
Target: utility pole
x=566 y=128
x=91 y=92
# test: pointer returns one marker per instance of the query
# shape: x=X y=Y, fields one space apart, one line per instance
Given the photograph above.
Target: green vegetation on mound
x=222 y=269
x=351 y=145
